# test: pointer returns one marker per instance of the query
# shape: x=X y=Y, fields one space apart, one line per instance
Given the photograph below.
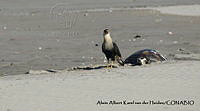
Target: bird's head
x=106 y=31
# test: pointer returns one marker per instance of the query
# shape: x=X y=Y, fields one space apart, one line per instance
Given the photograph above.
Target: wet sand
x=35 y=38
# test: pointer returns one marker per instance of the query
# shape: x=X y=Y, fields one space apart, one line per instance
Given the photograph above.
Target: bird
x=110 y=49
x=145 y=56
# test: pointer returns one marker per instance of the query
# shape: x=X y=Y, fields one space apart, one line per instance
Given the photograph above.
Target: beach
x=81 y=90
x=42 y=41
x=51 y=37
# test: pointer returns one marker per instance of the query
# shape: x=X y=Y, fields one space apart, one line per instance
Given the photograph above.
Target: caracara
x=110 y=49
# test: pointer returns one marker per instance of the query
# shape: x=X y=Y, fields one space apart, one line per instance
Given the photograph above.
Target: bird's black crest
x=106 y=31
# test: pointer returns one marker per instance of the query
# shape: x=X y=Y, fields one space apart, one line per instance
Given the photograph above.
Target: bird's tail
x=120 y=61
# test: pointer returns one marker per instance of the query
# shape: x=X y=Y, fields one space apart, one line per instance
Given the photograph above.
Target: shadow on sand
x=90 y=67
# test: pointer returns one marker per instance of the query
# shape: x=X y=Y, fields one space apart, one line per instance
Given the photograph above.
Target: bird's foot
x=109 y=66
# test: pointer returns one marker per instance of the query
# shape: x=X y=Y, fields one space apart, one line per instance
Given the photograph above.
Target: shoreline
x=188 y=10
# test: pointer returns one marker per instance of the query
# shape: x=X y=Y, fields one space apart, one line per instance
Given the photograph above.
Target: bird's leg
x=108 y=63
x=116 y=58
x=111 y=64
x=107 y=66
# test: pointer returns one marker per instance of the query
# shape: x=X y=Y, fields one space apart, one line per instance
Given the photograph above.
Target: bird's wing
x=103 y=47
x=116 y=49
x=117 y=52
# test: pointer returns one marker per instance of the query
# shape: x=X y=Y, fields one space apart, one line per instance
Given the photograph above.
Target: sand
x=57 y=35
x=81 y=90
x=53 y=38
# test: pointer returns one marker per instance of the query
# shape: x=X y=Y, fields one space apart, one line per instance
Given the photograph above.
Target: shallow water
x=183 y=10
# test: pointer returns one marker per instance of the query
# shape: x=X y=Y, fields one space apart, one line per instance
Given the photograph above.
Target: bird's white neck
x=107 y=38
x=108 y=41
